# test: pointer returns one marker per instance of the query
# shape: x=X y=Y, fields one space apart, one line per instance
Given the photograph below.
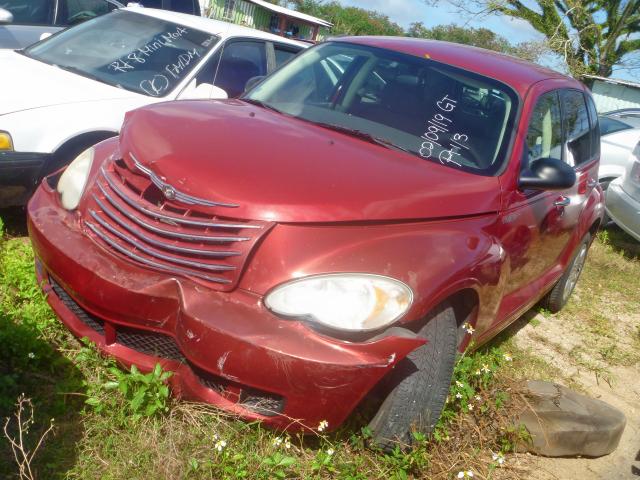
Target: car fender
x=436 y=259
x=45 y=129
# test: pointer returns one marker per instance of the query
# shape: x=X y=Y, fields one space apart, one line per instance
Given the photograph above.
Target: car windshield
x=432 y=110
x=127 y=50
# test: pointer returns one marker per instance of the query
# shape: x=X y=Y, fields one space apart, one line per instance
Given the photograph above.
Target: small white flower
x=467 y=474
x=220 y=445
x=498 y=457
x=478 y=398
x=459 y=384
x=469 y=328
x=478 y=372
x=31 y=355
x=323 y=425
x=287 y=444
x=277 y=442
x=331 y=451
x=485 y=368
x=470 y=406
x=507 y=357
x=458 y=395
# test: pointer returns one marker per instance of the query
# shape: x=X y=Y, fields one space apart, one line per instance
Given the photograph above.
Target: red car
x=336 y=230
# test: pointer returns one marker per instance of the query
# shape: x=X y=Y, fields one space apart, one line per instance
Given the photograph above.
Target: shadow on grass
x=15 y=221
x=30 y=365
x=622 y=242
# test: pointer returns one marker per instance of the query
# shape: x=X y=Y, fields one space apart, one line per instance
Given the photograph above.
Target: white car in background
x=619 y=134
x=623 y=197
x=66 y=93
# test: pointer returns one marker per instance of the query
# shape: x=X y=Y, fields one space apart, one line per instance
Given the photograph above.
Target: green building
x=268 y=17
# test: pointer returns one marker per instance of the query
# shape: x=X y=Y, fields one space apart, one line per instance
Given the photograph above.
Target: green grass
x=114 y=424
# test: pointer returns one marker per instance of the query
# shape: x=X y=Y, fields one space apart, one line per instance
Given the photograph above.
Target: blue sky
x=405 y=12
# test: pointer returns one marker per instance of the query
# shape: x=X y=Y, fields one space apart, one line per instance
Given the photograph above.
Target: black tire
x=419 y=384
x=558 y=296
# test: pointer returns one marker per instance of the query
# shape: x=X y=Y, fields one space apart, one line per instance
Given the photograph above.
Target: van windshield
x=128 y=50
x=432 y=110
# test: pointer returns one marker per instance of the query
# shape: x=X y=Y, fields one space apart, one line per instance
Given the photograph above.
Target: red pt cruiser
x=331 y=232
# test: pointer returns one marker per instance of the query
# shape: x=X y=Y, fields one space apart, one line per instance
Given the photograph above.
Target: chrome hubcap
x=574 y=273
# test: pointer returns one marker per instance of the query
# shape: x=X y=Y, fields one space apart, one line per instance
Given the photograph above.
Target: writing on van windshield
x=441 y=133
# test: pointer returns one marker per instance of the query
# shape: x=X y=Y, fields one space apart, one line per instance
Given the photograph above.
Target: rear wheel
x=419 y=384
x=559 y=295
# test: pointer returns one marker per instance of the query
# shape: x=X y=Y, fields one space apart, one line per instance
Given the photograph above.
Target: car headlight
x=6 y=143
x=355 y=302
x=74 y=178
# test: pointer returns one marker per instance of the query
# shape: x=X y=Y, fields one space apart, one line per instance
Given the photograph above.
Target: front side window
x=29 y=12
x=544 y=136
x=576 y=127
x=128 y=50
x=240 y=61
x=437 y=112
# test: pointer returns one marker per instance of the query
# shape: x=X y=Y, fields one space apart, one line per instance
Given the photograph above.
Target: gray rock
x=563 y=423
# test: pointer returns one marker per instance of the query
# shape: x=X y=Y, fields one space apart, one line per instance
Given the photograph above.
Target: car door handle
x=592 y=183
x=562 y=202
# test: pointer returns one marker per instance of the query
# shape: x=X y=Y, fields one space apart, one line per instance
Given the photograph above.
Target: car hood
x=278 y=168
x=26 y=84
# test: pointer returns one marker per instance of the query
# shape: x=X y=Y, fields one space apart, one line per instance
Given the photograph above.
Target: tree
x=477 y=37
x=349 y=20
x=592 y=36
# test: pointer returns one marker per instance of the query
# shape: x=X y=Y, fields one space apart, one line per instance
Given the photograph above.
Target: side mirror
x=5 y=16
x=252 y=82
x=548 y=174
x=202 y=91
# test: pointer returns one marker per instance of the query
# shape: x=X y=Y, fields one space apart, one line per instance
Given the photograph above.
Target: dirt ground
x=620 y=388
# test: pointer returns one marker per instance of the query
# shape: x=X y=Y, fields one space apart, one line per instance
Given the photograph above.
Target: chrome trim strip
x=167 y=233
x=171 y=218
x=179 y=196
x=166 y=246
x=153 y=253
x=151 y=263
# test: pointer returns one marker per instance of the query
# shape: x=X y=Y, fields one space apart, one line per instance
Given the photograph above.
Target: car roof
x=515 y=72
x=223 y=29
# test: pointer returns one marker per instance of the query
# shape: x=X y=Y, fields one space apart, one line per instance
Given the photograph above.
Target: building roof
x=513 y=71
x=292 y=13
x=218 y=27
x=617 y=81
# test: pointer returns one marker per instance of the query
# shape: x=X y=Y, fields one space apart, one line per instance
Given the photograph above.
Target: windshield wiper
x=260 y=103
x=362 y=135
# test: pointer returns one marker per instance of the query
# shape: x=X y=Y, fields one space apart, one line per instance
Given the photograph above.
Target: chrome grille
x=128 y=214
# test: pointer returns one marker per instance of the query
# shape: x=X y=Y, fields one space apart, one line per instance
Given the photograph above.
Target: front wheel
x=419 y=384
x=559 y=295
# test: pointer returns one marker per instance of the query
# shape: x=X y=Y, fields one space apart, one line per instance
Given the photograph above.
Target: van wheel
x=419 y=384
x=557 y=298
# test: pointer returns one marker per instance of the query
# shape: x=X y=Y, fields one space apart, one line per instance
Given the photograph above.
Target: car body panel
x=283 y=192
x=623 y=209
x=616 y=148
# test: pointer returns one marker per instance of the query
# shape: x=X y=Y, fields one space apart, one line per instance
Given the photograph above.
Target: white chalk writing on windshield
x=140 y=54
x=439 y=127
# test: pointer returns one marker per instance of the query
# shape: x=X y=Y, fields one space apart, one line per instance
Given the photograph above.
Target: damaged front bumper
x=225 y=348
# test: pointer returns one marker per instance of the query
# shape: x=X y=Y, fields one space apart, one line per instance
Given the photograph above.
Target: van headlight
x=355 y=302
x=74 y=179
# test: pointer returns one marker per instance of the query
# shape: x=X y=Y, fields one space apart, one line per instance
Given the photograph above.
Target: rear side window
x=576 y=127
x=283 y=54
x=610 y=125
x=544 y=137
x=240 y=61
